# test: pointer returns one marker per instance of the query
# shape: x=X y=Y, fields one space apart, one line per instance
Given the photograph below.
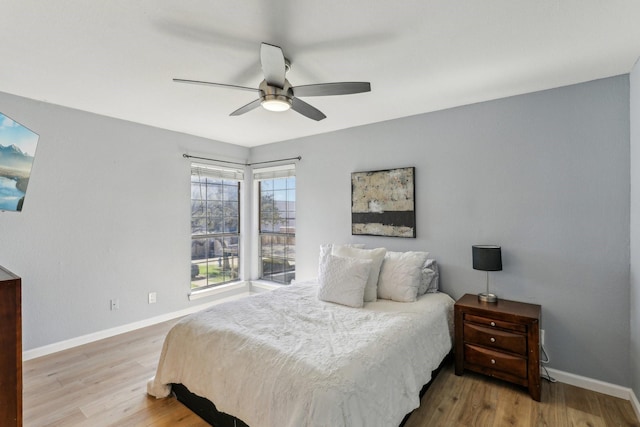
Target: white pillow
x=430 y=280
x=400 y=275
x=327 y=247
x=375 y=255
x=342 y=280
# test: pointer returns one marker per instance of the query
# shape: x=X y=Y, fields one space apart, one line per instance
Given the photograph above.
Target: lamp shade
x=487 y=257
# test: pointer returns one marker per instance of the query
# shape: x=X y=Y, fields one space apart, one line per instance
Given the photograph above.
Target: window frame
x=286 y=238
x=227 y=261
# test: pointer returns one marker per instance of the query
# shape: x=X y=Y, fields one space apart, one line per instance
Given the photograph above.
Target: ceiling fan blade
x=273 y=64
x=307 y=110
x=250 y=106
x=326 y=89
x=197 y=82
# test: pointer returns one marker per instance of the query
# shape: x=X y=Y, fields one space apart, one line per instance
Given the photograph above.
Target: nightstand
x=500 y=339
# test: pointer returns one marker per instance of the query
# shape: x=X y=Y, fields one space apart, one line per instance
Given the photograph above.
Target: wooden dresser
x=500 y=339
x=10 y=349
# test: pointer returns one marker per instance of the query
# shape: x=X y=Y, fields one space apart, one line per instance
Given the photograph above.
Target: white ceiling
x=117 y=57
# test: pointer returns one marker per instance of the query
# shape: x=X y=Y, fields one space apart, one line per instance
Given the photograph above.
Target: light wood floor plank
x=104 y=384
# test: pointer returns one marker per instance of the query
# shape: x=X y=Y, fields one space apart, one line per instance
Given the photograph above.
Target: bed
x=288 y=358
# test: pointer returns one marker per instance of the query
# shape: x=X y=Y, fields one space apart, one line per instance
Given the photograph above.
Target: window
x=277 y=223
x=215 y=225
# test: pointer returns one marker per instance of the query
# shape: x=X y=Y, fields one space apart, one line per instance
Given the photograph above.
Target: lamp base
x=487 y=297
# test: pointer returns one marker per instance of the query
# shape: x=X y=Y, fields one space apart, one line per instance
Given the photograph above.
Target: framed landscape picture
x=383 y=203
x=17 y=151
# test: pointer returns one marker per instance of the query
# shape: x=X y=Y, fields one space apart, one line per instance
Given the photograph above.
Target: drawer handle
x=493 y=323
x=493 y=361
x=493 y=339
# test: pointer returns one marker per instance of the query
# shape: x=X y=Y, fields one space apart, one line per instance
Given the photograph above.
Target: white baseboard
x=107 y=333
x=614 y=390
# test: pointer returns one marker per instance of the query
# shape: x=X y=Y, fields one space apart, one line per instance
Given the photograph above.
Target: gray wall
x=635 y=227
x=545 y=175
x=106 y=215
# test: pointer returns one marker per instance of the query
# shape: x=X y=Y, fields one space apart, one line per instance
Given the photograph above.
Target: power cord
x=544 y=353
x=543 y=362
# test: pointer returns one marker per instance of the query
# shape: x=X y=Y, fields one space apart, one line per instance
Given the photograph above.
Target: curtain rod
x=187 y=156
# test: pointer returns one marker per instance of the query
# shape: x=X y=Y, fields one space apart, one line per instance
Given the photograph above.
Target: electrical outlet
x=152 y=297
x=115 y=304
x=541 y=336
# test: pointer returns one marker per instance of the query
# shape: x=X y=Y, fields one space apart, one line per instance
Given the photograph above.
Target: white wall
x=106 y=215
x=635 y=227
x=545 y=175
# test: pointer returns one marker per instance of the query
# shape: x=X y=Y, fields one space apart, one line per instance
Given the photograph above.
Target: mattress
x=284 y=358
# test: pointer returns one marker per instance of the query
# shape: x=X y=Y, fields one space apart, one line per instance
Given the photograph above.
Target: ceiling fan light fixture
x=275 y=93
x=276 y=103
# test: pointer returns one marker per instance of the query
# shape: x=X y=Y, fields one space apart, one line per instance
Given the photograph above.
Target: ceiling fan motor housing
x=279 y=99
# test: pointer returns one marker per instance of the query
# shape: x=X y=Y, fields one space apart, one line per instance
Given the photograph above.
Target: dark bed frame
x=206 y=410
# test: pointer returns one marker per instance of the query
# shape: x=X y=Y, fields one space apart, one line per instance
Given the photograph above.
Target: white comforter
x=284 y=358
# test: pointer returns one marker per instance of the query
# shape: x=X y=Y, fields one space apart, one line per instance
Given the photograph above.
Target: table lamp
x=487 y=258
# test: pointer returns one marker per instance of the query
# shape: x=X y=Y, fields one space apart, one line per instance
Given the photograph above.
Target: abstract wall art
x=383 y=203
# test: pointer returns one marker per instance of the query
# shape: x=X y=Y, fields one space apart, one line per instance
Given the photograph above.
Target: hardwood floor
x=475 y=400
x=104 y=384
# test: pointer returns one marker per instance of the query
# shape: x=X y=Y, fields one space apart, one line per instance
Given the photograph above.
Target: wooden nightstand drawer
x=495 y=338
x=495 y=360
x=494 y=323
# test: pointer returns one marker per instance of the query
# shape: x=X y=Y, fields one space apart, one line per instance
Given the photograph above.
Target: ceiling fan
x=277 y=94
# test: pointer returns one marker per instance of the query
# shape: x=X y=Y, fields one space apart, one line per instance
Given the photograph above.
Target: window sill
x=256 y=286
x=227 y=289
